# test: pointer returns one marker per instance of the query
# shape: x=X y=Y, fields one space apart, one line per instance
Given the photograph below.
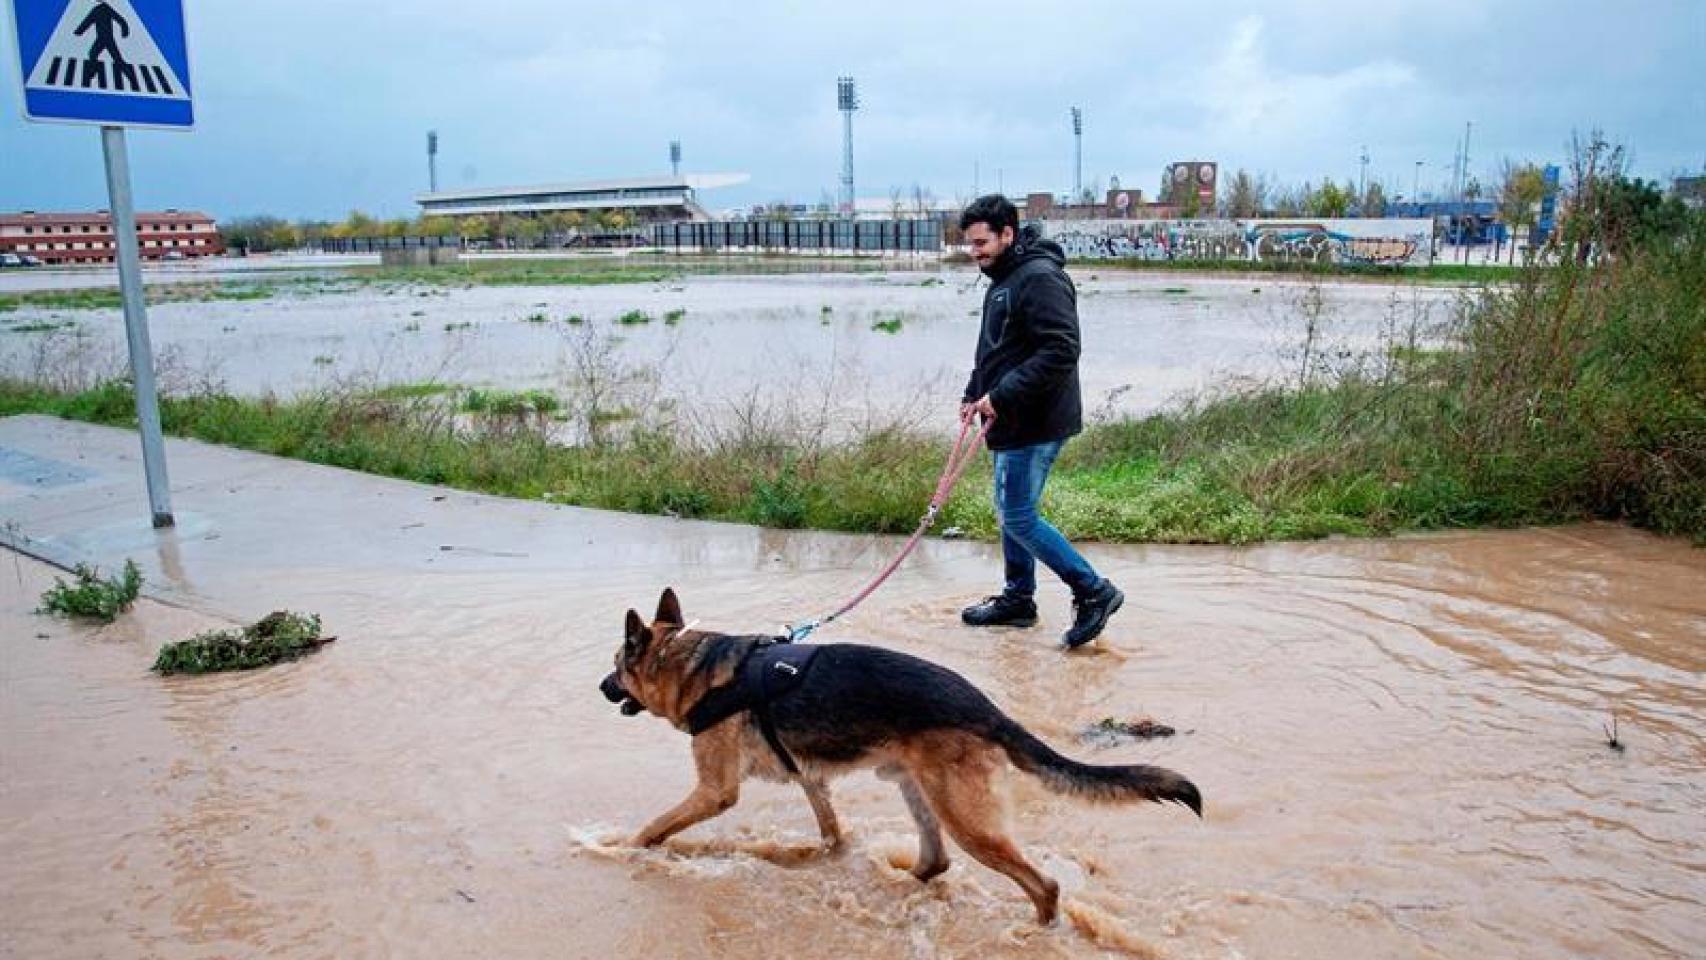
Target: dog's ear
x=669 y=608
x=635 y=633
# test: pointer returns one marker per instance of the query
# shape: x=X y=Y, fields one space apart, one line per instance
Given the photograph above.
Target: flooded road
x=1401 y=745
x=842 y=343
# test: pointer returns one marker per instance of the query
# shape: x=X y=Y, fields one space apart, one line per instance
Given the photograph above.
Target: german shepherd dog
x=922 y=726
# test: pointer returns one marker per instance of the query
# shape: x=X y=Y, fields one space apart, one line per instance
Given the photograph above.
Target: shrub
x=92 y=596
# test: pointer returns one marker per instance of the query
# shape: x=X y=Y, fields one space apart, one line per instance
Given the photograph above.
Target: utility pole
x=1468 y=129
x=1463 y=186
x=1456 y=170
x=847 y=101
x=675 y=158
x=432 y=161
x=1416 y=187
x=1077 y=154
x=1362 y=182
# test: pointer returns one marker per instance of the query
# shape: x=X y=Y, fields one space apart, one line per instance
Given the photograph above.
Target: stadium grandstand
x=648 y=199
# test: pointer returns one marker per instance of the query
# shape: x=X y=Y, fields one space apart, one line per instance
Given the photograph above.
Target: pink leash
x=958 y=459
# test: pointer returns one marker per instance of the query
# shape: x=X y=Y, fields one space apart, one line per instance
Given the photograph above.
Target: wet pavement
x=1400 y=742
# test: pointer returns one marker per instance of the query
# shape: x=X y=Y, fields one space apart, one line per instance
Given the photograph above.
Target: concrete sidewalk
x=248 y=523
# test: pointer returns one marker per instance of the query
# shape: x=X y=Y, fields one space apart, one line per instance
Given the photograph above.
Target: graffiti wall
x=1394 y=242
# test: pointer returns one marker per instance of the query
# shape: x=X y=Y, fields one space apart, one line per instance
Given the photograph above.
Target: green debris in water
x=275 y=638
x=92 y=596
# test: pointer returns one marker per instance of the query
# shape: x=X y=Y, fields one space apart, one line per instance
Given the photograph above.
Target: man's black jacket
x=1027 y=355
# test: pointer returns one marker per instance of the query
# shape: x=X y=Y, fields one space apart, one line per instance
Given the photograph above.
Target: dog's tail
x=1092 y=782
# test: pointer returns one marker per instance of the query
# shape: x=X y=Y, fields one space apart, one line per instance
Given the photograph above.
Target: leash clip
x=804 y=630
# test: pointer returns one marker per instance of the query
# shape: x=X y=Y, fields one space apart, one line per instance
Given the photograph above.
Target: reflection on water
x=1400 y=743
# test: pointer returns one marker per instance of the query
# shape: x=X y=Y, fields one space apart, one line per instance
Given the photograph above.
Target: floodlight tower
x=1362 y=176
x=432 y=160
x=675 y=157
x=1077 y=155
x=847 y=100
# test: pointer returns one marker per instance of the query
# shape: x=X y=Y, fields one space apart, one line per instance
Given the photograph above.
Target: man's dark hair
x=993 y=209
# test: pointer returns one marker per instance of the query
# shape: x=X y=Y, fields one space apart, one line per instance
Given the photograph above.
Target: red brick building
x=88 y=237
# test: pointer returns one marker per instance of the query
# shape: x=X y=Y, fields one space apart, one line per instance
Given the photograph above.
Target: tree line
x=263 y=233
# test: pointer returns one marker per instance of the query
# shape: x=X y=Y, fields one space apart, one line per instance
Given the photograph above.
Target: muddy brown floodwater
x=1400 y=744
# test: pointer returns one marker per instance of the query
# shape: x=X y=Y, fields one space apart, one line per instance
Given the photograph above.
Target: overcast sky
x=316 y=107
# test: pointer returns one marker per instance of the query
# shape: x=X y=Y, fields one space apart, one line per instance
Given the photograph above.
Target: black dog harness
x=769 y=671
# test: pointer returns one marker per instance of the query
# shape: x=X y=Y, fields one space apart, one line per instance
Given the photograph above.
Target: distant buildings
x=73 y=238
x=1690 y=190
x=1117 y=204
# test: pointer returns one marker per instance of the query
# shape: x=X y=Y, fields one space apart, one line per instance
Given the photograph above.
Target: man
x=1026 y=381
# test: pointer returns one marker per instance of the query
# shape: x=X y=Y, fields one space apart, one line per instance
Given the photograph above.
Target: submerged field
x=1222 y=409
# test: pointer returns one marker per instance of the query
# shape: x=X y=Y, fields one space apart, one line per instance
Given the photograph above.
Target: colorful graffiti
x=1406 y=242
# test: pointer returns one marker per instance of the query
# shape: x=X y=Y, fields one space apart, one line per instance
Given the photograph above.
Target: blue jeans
x=1025 y=536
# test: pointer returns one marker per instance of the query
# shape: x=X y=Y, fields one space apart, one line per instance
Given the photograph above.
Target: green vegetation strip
x=105 y=298
x=515 y=273
x=543 y=272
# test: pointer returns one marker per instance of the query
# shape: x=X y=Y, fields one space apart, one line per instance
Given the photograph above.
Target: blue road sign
x=1548 y=204
x=109 y=62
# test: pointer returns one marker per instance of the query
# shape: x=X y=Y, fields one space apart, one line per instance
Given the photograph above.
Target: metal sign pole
x=136 y=324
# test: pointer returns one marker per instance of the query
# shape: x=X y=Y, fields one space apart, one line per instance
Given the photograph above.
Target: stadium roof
x=621 y=193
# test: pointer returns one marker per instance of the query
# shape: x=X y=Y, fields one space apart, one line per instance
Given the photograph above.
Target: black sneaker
x=1090 y=614
x=1001 y=610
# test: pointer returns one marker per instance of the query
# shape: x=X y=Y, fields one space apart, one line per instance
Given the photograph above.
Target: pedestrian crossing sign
x=108 y=62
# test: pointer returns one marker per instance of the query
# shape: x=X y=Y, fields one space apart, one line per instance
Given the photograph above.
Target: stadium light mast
x=432 y=161
x=675 y=157
x=847 y=101
x=1362 y=177
x=1077 y=155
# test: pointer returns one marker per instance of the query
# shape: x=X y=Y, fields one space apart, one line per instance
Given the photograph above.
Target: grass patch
x=411 y=391
x=510 y=402
x=673 y=317
x=93 y=596
x=634 y=318
x=275 y=638
x=879 y=482
x=102 y=298
x=889 y=325
x=511 y=273
x=41 y=326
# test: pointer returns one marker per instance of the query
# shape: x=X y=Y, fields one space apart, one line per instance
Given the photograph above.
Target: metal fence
x=377 y=244
x=875 y=236
x=870 y=236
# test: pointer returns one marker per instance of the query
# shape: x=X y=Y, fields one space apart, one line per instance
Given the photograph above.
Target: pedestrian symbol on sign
x=101 y=46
